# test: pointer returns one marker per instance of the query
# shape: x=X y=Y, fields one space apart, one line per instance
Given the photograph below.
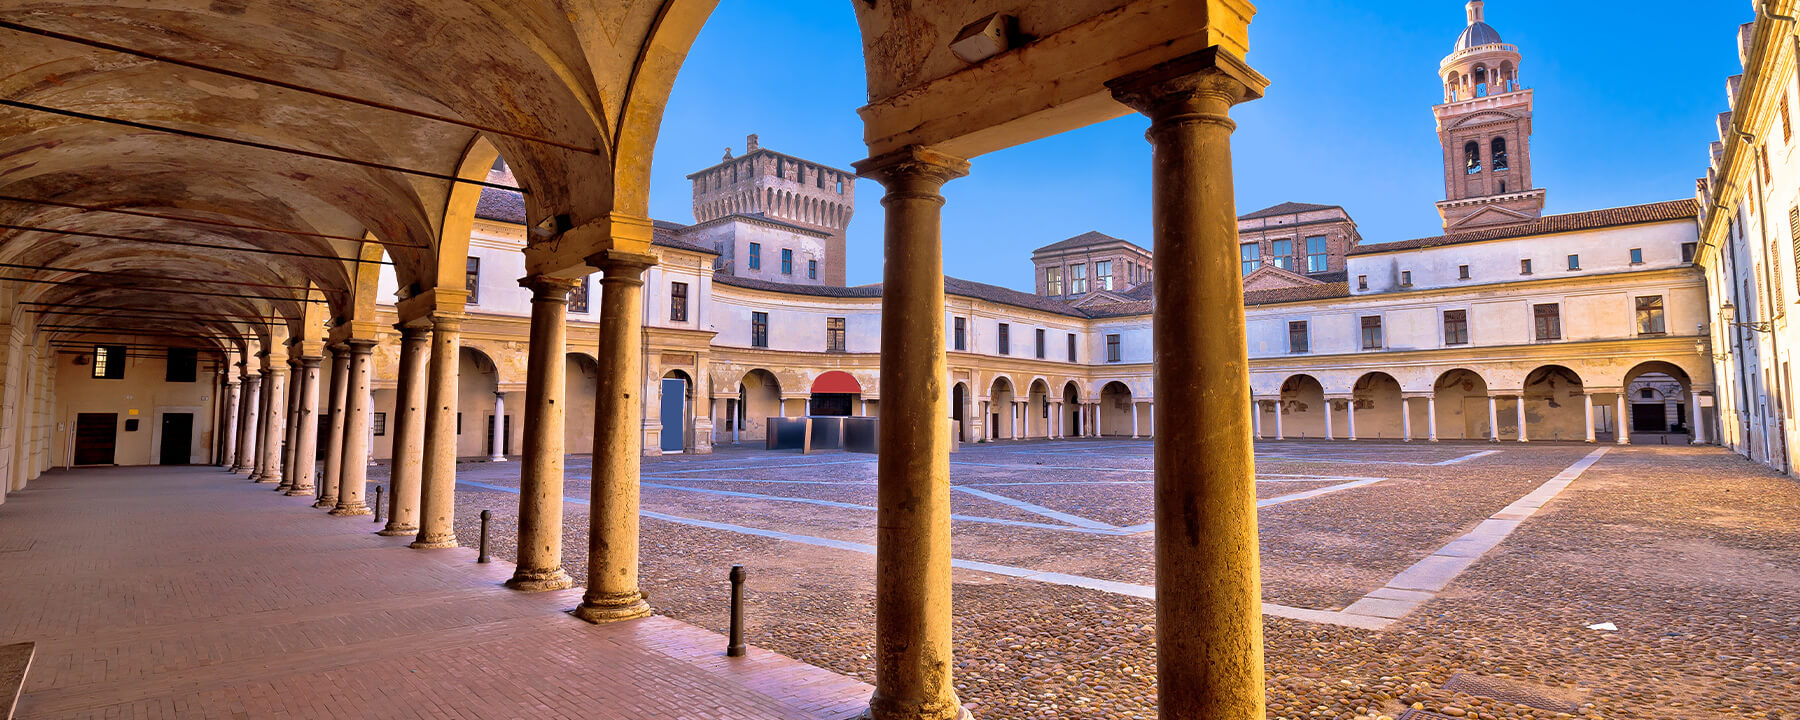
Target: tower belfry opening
x=1484 y=124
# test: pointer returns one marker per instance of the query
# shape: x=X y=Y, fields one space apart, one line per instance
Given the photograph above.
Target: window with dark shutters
x=1794 y=236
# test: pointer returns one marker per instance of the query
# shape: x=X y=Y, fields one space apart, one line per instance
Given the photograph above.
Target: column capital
x=1178 y=87
x=547 y=288
x=913 y=162
x=620 y=266
x=310 y=361
x=445 y=320
x=360 y=346
x=418 y=329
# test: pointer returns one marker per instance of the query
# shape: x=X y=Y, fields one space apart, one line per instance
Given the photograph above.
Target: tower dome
x=1478 y=33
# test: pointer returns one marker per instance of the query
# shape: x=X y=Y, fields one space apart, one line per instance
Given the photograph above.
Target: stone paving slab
x=186 y=592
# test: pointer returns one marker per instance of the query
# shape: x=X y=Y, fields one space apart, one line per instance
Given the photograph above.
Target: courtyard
x=1390 y=571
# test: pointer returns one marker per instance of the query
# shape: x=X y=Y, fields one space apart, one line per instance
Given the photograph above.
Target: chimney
x=1474 y=11
x=751 y=146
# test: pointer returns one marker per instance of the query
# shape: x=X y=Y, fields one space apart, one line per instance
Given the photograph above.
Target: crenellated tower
x=774 y=186
x=1484 y=124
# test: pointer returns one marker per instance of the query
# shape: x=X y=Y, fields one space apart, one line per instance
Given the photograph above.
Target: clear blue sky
x=1626 y=94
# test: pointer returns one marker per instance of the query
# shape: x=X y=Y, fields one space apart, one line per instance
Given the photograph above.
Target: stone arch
x=1071 y=409
x=759 y=398
x=1461 y=398
x=961 y=411
x=1380 y=406
x=1302 y=407
x=1117 y=406
x=1037 y=408
x=1002 y=393
x=1671 y=411
x=477 y=379
x=1554 y=404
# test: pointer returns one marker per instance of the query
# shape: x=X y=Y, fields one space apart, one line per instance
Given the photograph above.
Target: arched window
x=1481 y=82
x=1499 y=153
x=1472 y=157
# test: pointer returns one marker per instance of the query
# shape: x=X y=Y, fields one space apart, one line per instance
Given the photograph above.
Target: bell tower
x=1484 y=124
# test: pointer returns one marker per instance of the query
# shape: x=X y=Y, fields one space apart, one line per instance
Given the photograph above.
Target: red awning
x=836 y=381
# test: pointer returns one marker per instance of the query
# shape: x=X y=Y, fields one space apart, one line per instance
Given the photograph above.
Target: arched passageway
x=1302 y=408
x=1378 y=409
x=1037 y=410
x=1003 y=410
x=1555 y=405
x=477 y=398
x=1071 y=411
x=1662 y=407
x=1117 y=412
x=758 y=399
x=1460 y=398
x=959 y=411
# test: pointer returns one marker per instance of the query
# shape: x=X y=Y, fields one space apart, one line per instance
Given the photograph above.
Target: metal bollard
x=378 y=489
x=735 y=646
x=485 y=516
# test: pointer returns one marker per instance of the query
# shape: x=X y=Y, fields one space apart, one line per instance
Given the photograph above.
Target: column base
x=284 y=487
x=434 y=542
x=326 y=503
x=298 y=491
x=869 y=714
x=496 y=459
x=343 y=510
x=261 y=480
x=612 y=607
x=393 y=530
x=540 y=580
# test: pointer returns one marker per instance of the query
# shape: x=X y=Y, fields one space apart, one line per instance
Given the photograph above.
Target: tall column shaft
x=541 y=471
x=912 y=541
x=1278 y=429
x=1208 y=584
x=1406 y=419
x=268 y=468
x=306 y=426
x=247 y=421
x=437 y=494
x=1350 y=417
x=290 y=427
x=1587 y=415
x=497 y=449
x=406 y=467
x=1622 y=424
x=612 y=587
x=353 y=474
x=1493 y=419
x=1523 y=437
x=1697 y=434
x=334 y=437
x=229 y=425
x=1329 y=435
x=1431 y=417
x=1256 y=419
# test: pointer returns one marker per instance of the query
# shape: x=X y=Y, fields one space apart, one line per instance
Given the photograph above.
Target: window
x=1548 y=318
x=1498 y=152
x=755 y=256
x=1793 y=236
x=1317 y=257
x=759 y=329
x=1112 y=348
x=812 y=269
x=1650 y=315
x=1283 y=252
x=834 y=335
x=1503 y=187
x=109 y=362
x=1456 y=327
x=1687 y=248
x=1077 y=279
x=1462 y=272
x=182 y=365
x=1298 y=342
x=1762 y=157
x=1472 y=157
x=1637 y=256
x=578 y=296
x=1525 y=266
x=1103 y=277
x=1071 y=347
x=787 y=261
x=472 y=280
x=962 y=333
x=1574 y=262
x=1362 y=282
x=1040 y=343
x=1251 y=257
x=678 y=302
x=1053 y=281
x=1405 y=278
x=1005 y=340
x=379 y=422
x=1787 y=130
x=1647 y=394
x=1371 y=332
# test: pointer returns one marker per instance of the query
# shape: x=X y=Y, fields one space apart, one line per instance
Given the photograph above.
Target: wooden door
x=95 y=436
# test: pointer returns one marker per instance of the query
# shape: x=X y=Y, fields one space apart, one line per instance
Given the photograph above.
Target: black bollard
x=735 y=646
x=378 y=489
x=485 y=516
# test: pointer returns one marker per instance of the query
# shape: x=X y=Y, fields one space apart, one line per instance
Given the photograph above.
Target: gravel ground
x=1694 y=554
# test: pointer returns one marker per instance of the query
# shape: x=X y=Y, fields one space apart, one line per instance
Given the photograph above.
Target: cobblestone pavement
x=1692 y=553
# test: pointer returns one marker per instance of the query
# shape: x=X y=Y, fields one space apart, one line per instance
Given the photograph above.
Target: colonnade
x=1347 y=405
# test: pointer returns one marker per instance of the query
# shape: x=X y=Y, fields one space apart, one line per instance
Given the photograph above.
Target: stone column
x=1208 y=585
x=1134 y=420
x=541 y=472
x=437 y=489
x=1698 y=434
x=353 y=478
x=268 y=467
x=497 y=448
x=306 y=429
x=1523 y=437
x=1350 y=417
x=1406 y=419
x=612 y=587
x=1587 y=405
x=731 y=406
x=1493 y=419
x=913 y=650
x=334 y=437
x=246 y=436
x=1094 y=414
x=1256 y=419
x=1328 y=410
x=290 y=427
x=1621 y=425
x=407 y=466
x=1431 y=416
x=229 y=425
x=1278 y=431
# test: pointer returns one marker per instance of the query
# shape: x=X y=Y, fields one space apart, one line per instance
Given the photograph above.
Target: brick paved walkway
x=191 y=593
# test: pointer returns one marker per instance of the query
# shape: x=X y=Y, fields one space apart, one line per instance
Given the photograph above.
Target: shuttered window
x=1794 y=236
